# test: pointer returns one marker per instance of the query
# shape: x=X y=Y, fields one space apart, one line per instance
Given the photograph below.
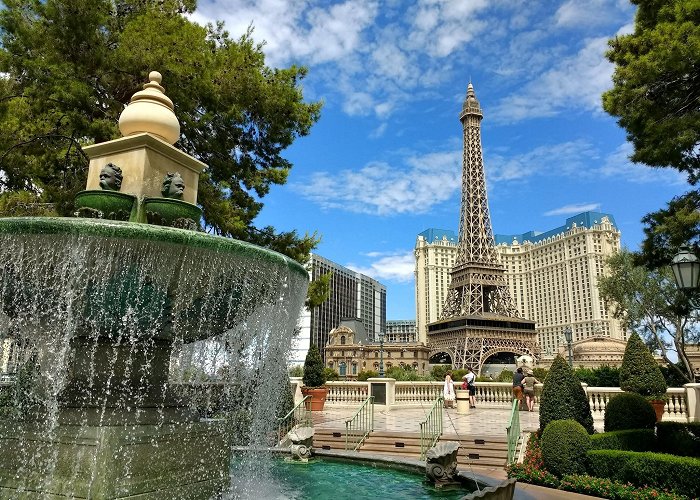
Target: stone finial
x=151 y=111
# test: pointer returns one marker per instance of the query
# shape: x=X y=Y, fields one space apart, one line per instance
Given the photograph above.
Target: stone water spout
x=441 y=464
x=302 y=443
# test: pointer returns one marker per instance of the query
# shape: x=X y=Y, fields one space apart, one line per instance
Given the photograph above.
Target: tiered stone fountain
x=106 y=307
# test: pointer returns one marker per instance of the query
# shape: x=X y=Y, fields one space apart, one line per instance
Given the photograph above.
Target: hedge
x=628 y=440
x=658 y=470
x=679 y=438
x=564 y=445
x=629 y=411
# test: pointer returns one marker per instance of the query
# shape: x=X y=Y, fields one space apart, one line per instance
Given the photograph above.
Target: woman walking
x=529 y=389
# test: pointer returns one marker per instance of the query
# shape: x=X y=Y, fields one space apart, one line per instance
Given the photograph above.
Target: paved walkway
x=479 y=422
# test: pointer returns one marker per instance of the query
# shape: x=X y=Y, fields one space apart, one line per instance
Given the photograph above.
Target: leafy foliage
x=532 y=469
x=666 y=230
x=296 y=371
x=70 y=66
x=564 y=445
x=629 y=411
x=657 y=470
x=639 y=372
x=314 y=373
x=438 y=372
x=331 y=374
x=319 y=290
x=602 y=376
x=679 y=438
x=563 y=398
x=365 y=374
x=286 y=403
x=649 y=303
x=404 y=373
x=614 y=490
x=657 y=85
x=627 y=440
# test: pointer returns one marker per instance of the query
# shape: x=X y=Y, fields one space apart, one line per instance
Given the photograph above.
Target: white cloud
x=574 y=209
x=575 y=82
x=618 y=165
x=584 y=13
x=382 y=189
x=398 y=267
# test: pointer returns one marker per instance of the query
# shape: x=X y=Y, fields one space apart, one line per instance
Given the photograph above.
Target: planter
x=111 y=205
x=462 y=398
x=165 y=211
x=318 y=397
x=659 y=405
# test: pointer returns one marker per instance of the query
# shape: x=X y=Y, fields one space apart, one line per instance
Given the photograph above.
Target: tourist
x=471 y=378
x=518 y=387
x=448 y=391
x=529 y=389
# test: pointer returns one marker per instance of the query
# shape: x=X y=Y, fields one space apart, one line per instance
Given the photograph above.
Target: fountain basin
x=165 y=211
x=113 y=204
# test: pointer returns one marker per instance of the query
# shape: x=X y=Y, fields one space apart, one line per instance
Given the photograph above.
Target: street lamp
x=567 y=336
x=381 y=354
x=686 y=269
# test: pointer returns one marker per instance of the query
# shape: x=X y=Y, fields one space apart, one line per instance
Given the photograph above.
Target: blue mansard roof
x=434 y=234
x=585 y=219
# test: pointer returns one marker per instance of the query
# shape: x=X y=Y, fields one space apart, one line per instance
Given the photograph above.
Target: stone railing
x=682 y=405
x=676 y=409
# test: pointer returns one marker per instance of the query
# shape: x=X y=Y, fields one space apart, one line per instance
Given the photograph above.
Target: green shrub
x=331 y=374
x=286 y=403
x=531 y=470
x=605 y=488
x=629 y=411
x=296 y=371
x=628 y=440
x=505 y=376
x=438 y=372
x=365 y=374
x=563 y=397
x=679 y=438
x=658 y=470
x=564 y=445
x=639 y=371
x=314 y=373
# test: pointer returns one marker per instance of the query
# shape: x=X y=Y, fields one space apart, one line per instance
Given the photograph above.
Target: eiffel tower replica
x=479 y=318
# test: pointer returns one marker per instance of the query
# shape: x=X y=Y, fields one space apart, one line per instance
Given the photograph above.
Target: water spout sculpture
x=115 y=325
x=441 y=464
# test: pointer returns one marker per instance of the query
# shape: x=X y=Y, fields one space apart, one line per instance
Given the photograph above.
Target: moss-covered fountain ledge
x=112 y=311
x=144 y=232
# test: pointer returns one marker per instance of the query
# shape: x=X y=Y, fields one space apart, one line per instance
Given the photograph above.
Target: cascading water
x=141 y=355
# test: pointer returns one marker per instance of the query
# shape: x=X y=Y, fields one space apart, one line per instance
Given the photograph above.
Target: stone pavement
x=479 y=422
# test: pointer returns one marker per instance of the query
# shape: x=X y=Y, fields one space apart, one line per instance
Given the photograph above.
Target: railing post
x=692 y=395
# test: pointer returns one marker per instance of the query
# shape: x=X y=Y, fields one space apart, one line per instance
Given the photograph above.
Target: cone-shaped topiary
x=563 y=397
x=314 y=375
x=639 y=372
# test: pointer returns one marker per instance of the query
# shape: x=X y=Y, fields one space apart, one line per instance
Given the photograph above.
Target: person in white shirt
x=448 y=391
x=471 y=378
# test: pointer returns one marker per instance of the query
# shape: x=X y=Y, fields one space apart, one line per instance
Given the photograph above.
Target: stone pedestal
x=692 y=392
x=145 y=462
x=462 y=398
x=383 y=390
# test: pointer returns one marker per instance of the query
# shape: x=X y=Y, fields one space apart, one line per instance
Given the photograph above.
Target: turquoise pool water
x=326 y=479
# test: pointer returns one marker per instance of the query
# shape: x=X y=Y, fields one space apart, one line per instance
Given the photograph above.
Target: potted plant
x=640 y=373
x=314 y=380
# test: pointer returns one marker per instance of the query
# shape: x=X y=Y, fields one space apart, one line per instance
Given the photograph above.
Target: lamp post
x=686 y=269
x=381 y=354
x=567 y=336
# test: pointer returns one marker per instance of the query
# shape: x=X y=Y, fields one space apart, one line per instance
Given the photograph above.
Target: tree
x=563 y=397
x=656 y=92
x=668 y=229
x=639 y=372
x=648 y=302
x=314 y=373
x=70 y=66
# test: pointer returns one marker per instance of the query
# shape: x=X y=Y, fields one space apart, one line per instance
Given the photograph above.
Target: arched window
x=354 y=368
x=342 y=340
x=342 y=368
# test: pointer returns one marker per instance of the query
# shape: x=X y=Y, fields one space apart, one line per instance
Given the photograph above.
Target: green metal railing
x=513 y=431
x=431 y=427
x=360 y=425
x=298 y=416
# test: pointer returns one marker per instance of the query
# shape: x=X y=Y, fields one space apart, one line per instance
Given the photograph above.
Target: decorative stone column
x=692 y=394
x=383 y=390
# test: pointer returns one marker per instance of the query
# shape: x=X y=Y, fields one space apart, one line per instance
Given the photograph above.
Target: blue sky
x=384 y=161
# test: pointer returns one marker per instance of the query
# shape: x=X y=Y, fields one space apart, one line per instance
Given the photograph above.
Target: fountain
x=125 y=318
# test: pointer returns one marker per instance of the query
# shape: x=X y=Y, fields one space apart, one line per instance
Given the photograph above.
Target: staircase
x=473 y=451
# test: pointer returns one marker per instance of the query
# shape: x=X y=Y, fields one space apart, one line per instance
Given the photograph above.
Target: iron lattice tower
x=479 y=317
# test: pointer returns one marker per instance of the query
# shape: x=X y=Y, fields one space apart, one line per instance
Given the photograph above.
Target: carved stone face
x=173 y=186
x=110 y=177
